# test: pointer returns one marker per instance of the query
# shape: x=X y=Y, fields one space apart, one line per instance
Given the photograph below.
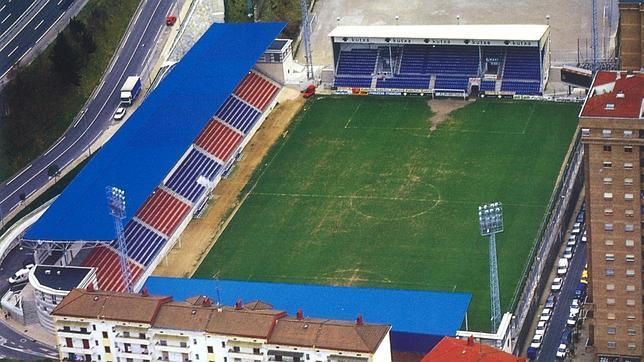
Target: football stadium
x=373 y=188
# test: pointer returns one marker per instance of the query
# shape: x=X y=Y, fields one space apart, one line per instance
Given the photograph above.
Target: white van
x=21 y=275
x=562 y=267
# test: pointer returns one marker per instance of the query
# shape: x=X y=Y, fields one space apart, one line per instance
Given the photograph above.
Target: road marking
x=39 y=24
x=82 y=113
x=11 y=52
x=23 y=27
x=99 y=87
x=5 y=18
x=48 y=29
x=94 y=120
x=18 y=175
x=3 y=6
x=23 y=54
x=54 y=146
x=60 y=2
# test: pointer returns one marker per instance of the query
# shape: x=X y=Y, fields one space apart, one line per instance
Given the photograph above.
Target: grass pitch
x=361 y=193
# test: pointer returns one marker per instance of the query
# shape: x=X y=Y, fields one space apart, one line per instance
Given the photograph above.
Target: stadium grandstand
x=444 y=60
x=169 y=155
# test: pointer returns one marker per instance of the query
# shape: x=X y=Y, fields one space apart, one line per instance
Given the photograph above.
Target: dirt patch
x=197 y=239
x=442 y=108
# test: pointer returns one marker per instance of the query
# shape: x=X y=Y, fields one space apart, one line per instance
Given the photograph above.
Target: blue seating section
x=451 y=83
x=519 y=87
x=238 y=114
x=142 y=243
x=357 y=62
x=405 y=81
x=522 y=63
x=184 y=179
x=353 y=82
x=440 y=60
x=487 y=85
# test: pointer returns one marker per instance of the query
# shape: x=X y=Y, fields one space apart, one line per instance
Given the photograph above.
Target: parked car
x=562 y=266
x=170 y=20
x=580 y=291
x=581 y=216
x=576 y=229
x=536 y=341
x=120 y=113
x=568 y=252
x=556 y=284
x=545 y=314
x=21 y=275
x=551 y=301
x=584 y=237
x=572 y=320
x=562 y=351
x=572 y=240
x=574 y=310
x=541 y=327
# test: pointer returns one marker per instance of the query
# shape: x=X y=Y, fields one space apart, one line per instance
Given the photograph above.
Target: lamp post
x=491 y=223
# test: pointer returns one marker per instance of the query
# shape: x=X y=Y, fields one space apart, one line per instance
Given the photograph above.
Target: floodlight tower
x=595 y=36
x=116 y=203
x=306 y=36
x=491 y=222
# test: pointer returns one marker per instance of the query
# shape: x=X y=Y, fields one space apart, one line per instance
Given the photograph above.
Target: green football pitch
x=360 y=192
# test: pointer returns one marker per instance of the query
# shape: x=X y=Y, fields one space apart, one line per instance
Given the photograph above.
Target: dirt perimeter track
x=201 y=234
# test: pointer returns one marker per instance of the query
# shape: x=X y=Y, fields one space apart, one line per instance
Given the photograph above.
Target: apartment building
x=108 y=326
x=612 y=132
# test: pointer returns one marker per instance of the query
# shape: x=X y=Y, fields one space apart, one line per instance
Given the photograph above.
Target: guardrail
x=547 y=243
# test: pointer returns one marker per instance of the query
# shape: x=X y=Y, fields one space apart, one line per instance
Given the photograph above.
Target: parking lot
x=561 y=315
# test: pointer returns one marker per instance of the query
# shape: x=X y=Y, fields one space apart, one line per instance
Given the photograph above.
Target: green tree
x=65 y=60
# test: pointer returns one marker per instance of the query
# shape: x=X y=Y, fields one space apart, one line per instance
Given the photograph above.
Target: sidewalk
x=32 y=332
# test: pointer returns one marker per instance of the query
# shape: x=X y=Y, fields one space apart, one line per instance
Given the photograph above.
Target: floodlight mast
x=116 y=203
x=491 y=223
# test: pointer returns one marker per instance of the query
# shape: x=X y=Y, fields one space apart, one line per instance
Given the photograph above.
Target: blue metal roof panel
x=411 y=311
x=145 y=149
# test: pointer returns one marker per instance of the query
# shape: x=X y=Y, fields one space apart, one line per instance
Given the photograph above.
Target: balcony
x=172 y=348
x=142 y=355
x=76 y=350
x=131 y=339
x=245 y=355
x=72 y=334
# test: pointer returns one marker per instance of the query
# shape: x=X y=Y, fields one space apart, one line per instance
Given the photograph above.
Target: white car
x=584 y=237
x=120 y=113
x=572 y=320
x=556 y=284
x=574 y=310
x=21 y=275
x=536 y=341
x=568 y=252
x=541 y=328
x=545 y=314
x=572 y=240
x=561 y=351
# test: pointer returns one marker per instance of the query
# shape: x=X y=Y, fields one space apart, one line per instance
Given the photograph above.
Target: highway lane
x=140 y=39
x=10 y=12
x=15 y=48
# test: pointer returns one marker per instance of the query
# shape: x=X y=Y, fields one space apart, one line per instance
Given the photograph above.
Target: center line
x=5 y=18
x=39 y=24
x=14 y=49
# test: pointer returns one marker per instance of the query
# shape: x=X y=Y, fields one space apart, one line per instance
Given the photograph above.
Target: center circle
x=395 y=198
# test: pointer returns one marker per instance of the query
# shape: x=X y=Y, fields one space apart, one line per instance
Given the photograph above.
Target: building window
x=609 y=242
x=628 y=165
x=196 y=356
x=210 y=349
x=629 y=213
x=630 y=302
x=610 y=286
x=631 y=331
x=608 y=227
x=608 y=195
x=632 y=346
x=630 y=258
x=255 y=350
x=194 y=341
x=629 y=228
x=611 y=344
x=610 y=316
x=104 y=334
x=607 y=148
x=610 y=257
x=628 y=134
x=606 y=133
x=630 y=272
x=611 y=330
x=608 y=212
x=608 y=180
x=630 y=242
x=142 y=335
x=585 y=132
x=223 y=344
x=610 y=301
x=610 y=271
x=630 y=317
x=107 y=349
x=628 y=181
x=607 y=164
x=628 y=149
x=628 y=196
x=94 y=327
x=630 y=287
x=235 y=349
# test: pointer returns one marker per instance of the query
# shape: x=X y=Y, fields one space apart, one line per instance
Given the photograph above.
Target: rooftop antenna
x=458 y=20
x=306 y=35
x=491 y=223
x=116 y=204
x=397 y=19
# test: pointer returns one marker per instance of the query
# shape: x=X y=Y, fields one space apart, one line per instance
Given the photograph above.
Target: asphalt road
x=559 y=317
x=10 y=12
x=133 y=56
x=15 y=47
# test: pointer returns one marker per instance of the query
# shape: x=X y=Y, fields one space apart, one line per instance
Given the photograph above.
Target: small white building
x=108 y=326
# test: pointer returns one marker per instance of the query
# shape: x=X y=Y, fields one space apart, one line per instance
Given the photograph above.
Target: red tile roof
x=621 y=90
x=452 y=349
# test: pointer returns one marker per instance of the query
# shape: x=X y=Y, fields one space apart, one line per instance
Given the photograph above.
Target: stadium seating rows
x=108 y=268
x=256 y=90
x=238 y=114
x=522 y=63
x=143 y=244
x=357 y=62
x=218 y=139
x=353 y=82
x=451 y=83
x=521 y=87
x=163 y=211
x=487 y=85
x=184 y=179
x=405 y=81
x=441 y=60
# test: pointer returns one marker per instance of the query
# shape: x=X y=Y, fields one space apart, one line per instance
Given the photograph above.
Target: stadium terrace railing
x=547 y=243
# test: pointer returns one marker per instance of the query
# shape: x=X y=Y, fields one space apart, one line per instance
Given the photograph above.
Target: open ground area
x=361 y=192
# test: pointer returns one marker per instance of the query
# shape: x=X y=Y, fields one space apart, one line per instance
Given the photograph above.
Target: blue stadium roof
x=144 y=150
x=412 y=311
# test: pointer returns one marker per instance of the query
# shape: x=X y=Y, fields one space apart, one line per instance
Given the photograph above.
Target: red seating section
x=108 y=273
x=218 y=139
x=163 y=211
x=256 y=90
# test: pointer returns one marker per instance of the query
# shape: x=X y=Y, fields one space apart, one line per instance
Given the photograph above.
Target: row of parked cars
x=577 y=235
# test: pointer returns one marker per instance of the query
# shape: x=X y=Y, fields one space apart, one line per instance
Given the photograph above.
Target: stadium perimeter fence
x=542 y=257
